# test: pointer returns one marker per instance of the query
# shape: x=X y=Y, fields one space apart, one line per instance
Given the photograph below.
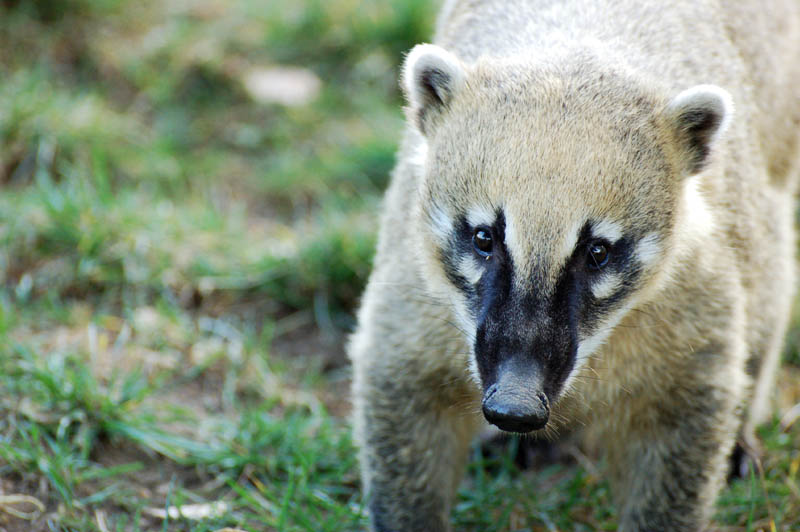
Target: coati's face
x=550 y=202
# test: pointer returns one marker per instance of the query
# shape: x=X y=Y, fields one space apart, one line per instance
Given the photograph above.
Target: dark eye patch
x=485 y=241
x=596 y=253
x=589 y=260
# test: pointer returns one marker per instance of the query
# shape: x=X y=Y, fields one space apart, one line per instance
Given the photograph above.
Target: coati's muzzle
x=523 y=367
x=516 y=400
x=525 y=347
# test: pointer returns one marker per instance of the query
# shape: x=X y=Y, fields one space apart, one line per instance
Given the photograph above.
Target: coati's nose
x=513 y=411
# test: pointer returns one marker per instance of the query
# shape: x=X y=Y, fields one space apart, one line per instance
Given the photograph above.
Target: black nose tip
x=513 y=413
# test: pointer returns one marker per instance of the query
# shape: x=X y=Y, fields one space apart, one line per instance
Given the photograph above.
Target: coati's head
x=554 y=194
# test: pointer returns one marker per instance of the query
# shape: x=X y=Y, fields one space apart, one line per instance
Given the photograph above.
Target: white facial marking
x=467 y=325
x=606 y=285
x=464 y=319
x=474 y=371
x=568 y=245
x=511 y=237
x=590 y=345
x=441 y=224
x=648 y=249
x=480 y=215
x=611 y=231
x=469 y=268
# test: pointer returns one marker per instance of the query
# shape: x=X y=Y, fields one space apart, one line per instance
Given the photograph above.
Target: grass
x=179 y=262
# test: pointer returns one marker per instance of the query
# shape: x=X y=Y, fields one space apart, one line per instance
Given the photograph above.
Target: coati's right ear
x=431 y=77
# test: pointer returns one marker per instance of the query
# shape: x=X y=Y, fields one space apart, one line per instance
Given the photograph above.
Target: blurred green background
x=188 y=196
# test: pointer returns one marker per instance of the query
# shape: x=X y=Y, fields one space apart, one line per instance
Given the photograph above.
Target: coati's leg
x=413 y=450
x=774 y=297
x=415 y=416
x=671 y=461
x=747 y=454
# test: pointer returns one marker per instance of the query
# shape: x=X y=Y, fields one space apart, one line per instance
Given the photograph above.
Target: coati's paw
x=745 y=459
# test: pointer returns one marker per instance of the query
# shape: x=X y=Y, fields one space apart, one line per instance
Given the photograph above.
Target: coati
x=590 y=224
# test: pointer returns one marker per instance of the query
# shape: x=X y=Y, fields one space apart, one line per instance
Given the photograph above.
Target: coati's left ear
x=431 y=77
x=698 y=118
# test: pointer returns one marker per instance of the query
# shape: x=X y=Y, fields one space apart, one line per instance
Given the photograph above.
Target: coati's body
x=580 y=232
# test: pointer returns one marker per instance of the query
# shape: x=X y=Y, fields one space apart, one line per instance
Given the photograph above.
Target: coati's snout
x=516 y=401
x=524 y=352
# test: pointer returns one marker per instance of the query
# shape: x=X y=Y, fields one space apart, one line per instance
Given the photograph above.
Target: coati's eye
x=598 y=255
x=482 y=240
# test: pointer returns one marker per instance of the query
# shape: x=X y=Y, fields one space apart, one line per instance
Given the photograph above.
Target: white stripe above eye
x=571 y=239
x=606 y=285
x=608 y=230
x=481 y=215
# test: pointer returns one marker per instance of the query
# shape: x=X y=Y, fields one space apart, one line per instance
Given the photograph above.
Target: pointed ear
x=698 y=118
x=431 y=77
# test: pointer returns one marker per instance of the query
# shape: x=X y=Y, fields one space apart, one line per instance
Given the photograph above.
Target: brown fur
x=557 y=112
